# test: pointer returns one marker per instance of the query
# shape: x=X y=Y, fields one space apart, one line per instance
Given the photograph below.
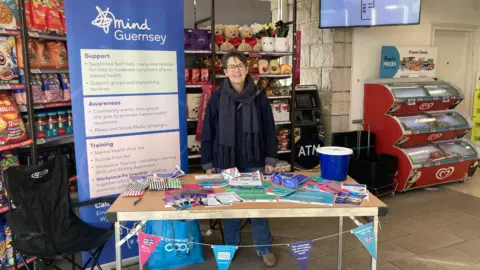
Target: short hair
x=241 y=56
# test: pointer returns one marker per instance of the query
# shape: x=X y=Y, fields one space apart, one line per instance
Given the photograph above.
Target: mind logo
x=104 y=19
x=444 y=173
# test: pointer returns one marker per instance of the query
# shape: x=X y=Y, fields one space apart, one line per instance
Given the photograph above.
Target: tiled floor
x=426 y=229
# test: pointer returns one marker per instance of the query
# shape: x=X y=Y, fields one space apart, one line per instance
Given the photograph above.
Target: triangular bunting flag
x=366 y=235
x=146 y=245
x=224 y=255
x=301 y=252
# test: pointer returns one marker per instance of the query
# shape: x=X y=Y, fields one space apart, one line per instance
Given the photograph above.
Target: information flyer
x=408 y=62
x=126 y=61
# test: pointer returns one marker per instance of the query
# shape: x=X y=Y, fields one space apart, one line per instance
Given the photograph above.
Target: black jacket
x=211 y=139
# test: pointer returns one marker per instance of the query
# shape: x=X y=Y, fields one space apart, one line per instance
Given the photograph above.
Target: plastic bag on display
x=175 y=249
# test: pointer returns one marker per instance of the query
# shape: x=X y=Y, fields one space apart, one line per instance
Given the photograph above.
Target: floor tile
x=472 y=267
x=416 y=263
x=448 y=258
x=441 y=238
x=467 y=229
x=388 y=252
x=387 y=266
x=415 y=243
x=470 y=248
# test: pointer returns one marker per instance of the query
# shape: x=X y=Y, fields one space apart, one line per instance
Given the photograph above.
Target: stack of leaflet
x=213 y=183
x=248 y=186
x=352 y=194
x=223 y=199
x=310 y=197
x=276 y=190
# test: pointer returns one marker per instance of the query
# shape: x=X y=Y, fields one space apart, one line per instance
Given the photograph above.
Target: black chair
x=42 y=220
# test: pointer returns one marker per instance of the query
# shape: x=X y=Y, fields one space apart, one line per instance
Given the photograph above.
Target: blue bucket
x=334 y=162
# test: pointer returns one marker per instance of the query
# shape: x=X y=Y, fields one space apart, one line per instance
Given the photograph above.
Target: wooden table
x=152 y=207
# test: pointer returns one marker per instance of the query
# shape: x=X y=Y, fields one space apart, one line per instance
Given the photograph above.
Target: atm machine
x=309 y=132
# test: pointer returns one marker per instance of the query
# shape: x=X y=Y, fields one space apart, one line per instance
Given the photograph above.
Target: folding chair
x=41 y=218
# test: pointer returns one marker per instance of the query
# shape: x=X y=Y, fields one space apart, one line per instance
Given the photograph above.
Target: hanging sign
x=224 y=256
x=366 y=235
x=408 y=62
x=126 y=61
x=146 y=245
x=301 y=252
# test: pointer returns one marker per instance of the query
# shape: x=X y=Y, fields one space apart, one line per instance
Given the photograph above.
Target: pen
x=138 y=200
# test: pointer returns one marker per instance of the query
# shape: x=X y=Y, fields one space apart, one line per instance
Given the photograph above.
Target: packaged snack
x=52 y=130
x=7 y=160
x=58 y=53
x=65 y=84
x=41 y=125
x=8 y=60
x=20 y=96
x=70 y=122
x=204 y=75
x=51 y=88
x=39 y=15
x=9 y=14
x=187 y=75
x=25 y=121
x=62 y=122
x=54 y=22
x=18 y=44
x=195 y=75
x=28 y=13
x=40 y=58
x=12 y=129
x=37 y=89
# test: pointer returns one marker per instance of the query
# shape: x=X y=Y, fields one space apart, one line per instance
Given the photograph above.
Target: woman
x=239 y=131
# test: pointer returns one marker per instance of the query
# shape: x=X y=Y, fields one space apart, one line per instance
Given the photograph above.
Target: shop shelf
x=23 y=108
x=258 y=54
x=283 y=123
x=192 y=119
x=9 y=32
x=194 y=156
x=4 y=209
x=57 y=140
x=49 y=70
x=284 y=151
x=198 y=51
x=193 y=85
x=47 y=36
x=20 y=265
x=279 y=97
x=277 y=76
x=12 y=86
x=15 y=145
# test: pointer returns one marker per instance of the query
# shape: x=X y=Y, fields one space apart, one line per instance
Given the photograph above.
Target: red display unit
x=415 y=122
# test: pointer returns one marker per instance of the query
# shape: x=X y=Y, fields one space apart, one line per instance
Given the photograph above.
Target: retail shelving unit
x=287 y=155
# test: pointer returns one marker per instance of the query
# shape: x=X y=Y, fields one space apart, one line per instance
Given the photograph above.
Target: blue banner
x=301 y=252
x=126 y=61
x=224 y=256
x=366 y=235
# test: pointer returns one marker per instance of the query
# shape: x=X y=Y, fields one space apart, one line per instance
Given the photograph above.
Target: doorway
x=455 y=62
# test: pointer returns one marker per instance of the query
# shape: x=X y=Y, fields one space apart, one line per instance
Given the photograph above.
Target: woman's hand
x=269 y=169
x=211 y=171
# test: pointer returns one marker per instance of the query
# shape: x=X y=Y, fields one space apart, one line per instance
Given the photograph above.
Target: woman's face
x=236 y=71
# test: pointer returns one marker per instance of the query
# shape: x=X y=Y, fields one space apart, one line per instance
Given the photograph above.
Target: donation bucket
x=334 y=162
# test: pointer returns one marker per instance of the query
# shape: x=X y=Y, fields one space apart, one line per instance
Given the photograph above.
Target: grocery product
x=51 y=88
x=70 y=122
x=52 y=130
x=39 y=15
x=8 y=60
x=7 y=160
x=28 y=13
x=9 y=14
x=41 y=125
x=65 y=84
x=53 y=19
x=58 y=53
x=20 y=96
x=37 y=92
x=18 y=45
x=12 y=129
x=42 y=56
x=62 y=122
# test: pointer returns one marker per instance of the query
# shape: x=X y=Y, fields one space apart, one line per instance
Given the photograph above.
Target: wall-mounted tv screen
x=365 y=13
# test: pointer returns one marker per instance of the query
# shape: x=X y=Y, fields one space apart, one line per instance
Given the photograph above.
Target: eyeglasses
x=239 y=66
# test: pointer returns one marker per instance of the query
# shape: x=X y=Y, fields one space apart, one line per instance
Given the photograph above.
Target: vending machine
x=416 y=122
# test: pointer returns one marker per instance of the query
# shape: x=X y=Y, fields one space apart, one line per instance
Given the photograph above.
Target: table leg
x=140 y=266
x=375 y=230
x=340 y=243
x=118 y=249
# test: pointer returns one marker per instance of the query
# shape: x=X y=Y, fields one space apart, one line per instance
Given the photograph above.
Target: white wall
x=367 y=42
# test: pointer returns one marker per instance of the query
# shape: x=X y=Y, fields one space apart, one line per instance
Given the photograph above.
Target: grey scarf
x=251 y=126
